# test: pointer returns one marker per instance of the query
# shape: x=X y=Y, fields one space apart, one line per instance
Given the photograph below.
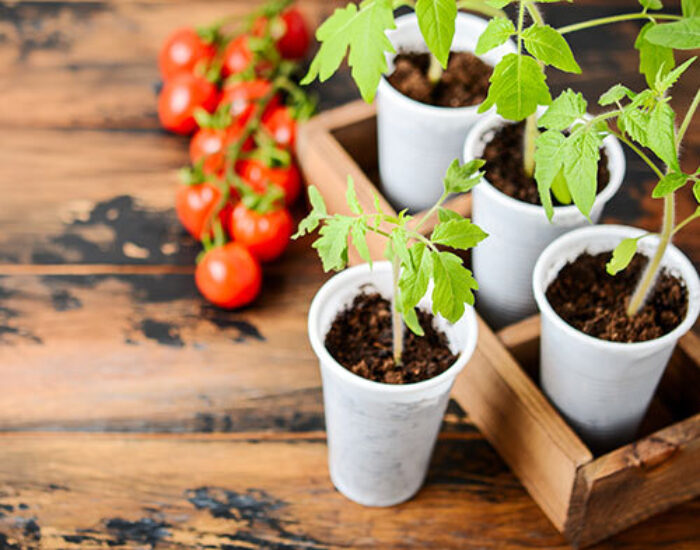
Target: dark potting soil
x=504 y=166
x=586 y=297
x=464 y=82
x=360 y=340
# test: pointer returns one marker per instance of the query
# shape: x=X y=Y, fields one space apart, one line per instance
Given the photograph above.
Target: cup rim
x=339 y=280
x=613 y=149
x=673 y=257
x=410 y=19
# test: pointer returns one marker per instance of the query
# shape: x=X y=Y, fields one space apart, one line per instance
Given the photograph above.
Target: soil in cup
x=504 y=166
x=360 y=340
x=463 y=83
x=585 y=296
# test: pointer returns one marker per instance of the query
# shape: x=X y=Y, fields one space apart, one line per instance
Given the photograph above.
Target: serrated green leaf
x=614 y=94
x=359 y=240
x=550 y=47
x=363 y=33
x=462 y=178
x=399 y=243
x=635 y=124
x=653 y=59
x=445 y=215
x=332 y=245
x=436 y=19
x=316 y=200
x=415 y=276
x=679 y=35
x=651 y=4
x=560 y=189
x=622 y=255
x=664 y=83
x=351 y=198
x=670 y=183
x=661 y=135
x=461 y=234
x=564 y=111
x=690 y=8
x=518 y=86
x=696 y=190
x=453 y=285
x=498 y=30
x=318 y=212
x=411 y=319
x=581 y=156
x=549 y=157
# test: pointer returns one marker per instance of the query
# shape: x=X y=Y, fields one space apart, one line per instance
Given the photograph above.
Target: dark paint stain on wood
x=145 y=531
x=166 y=334
x=228 y=319
x=9 y=331
x=62 y=300
x=5 y=543
x=258 y=510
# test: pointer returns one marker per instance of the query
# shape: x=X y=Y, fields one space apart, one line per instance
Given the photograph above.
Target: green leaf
x=560 y=190
x=653 y=59
x=318 y=212
x=564 y=111
x=499 y=4
x=664 y=83
x=622 y=255
x=316 y=200
x=549 y=157
x=445 y=215
x=462 y=178
x=496 y=33
x=581 y=156
x=359 y=240
x=453 y=286
x=661 y=135
x=679 y=35
x=363 y=33
x=696 y=191
x=415 y=276
x=332 y=245
x=634 y=123
x=670 y=183
x=461 y=234
x=399 y=242
x=690 y=8
x=351 y=198
x=651 y=4
x=436 y=19
x=411 y=319
x=550 y=47
x=614 y=94
x=518 y=86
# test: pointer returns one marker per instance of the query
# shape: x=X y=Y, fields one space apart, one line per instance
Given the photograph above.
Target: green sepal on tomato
x=229 y=276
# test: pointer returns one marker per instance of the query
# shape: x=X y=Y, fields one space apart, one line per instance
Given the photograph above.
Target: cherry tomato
x=265 y=235
x=241 y=96
x=210 y=144
x=229 y=276
x=194 y=204
x=237 y=56
x=295 y=40
x=289 y=31
x=179 y=98
x=281 y=126
x=259 y=176
x=182 y=51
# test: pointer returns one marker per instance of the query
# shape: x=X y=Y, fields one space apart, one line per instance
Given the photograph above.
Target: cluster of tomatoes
x=237 y=97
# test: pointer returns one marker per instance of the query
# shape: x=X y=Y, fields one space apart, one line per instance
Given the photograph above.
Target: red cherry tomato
x=229 y=276
x=194 y=205
x=265 y=235
x=241 y=96
x=295 y=40
x=179 y=98
x=259 y=176
x=182 y=51
x=210 y=144
x=237 y=56
x=281 y=126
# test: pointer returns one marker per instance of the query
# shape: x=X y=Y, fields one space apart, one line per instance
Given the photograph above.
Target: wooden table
x=132 y=414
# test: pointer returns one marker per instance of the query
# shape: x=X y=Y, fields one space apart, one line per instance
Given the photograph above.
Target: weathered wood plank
x=225 y=492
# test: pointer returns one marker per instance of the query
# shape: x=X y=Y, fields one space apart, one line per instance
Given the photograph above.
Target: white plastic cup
x=604 y=388
x=380 y=436
x=417 y=142
x=519 y=232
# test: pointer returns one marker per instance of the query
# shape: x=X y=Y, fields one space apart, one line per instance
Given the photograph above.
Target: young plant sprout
x=416 y=259
x=642 y=120
x=518 y=84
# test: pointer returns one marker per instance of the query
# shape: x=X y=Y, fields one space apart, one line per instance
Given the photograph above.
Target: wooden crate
x=586 y=497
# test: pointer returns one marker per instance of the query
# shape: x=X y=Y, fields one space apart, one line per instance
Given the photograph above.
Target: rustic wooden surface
x=219 y=415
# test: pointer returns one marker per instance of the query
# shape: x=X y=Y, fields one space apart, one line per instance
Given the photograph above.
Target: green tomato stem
x=434 y=70
x=481 y=7
x=693 y=216
x=652 y=269
x=396 y=320
x=614 y=19
x=531 y=134
x=686 y=120
x=535 y=13
x=432 y=210
x=639 y=152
